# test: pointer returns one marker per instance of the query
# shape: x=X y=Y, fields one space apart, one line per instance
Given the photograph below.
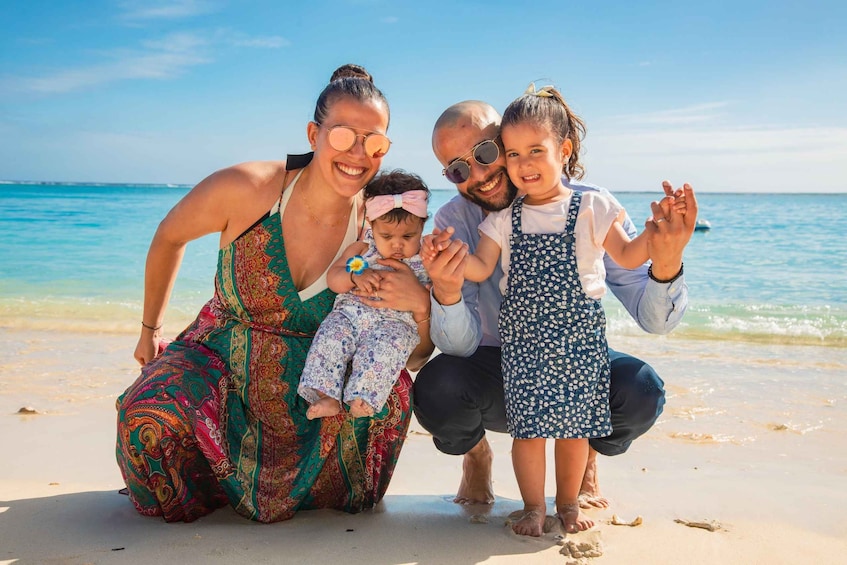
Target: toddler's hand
x=435 y=243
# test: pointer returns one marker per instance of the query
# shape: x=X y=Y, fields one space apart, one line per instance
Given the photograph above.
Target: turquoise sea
x=772 y=269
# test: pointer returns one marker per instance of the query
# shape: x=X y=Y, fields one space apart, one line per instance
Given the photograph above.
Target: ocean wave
x=757 y=323
x=817 y=326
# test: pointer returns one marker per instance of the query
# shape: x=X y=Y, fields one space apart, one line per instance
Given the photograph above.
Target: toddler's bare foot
x=360 y=409
x=572 y=519
x=323 y=408
x=531 y=522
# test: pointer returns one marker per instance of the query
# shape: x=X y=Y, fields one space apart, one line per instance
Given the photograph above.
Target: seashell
x=617 y=521
x=712 y=525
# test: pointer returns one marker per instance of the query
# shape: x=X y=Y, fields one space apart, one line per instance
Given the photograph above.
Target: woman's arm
x=204 y=210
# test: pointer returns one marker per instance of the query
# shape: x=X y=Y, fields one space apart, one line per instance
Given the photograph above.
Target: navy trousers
x=457 y=398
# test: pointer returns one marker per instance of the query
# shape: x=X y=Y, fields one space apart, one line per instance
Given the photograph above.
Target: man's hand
x=447 y=268
x=670 y=229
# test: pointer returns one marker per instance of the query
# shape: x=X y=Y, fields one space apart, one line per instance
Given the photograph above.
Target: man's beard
x=504 y=201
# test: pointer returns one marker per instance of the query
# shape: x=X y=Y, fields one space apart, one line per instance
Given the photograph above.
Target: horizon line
x=183 y=185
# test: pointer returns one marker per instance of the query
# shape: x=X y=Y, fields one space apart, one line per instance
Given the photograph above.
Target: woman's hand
x=401 y=290
x=147 y=347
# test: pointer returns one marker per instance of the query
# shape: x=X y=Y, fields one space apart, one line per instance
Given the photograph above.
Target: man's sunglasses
x=343 y=138
x=485 y=153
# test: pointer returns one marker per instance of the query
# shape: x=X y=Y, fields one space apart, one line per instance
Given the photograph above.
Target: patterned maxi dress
x=216 y=418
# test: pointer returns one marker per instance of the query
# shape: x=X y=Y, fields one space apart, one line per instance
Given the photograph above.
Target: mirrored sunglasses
x=343 y=138
x=485 y=153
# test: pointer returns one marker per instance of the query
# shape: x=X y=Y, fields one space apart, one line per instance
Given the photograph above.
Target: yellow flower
x=356 y=264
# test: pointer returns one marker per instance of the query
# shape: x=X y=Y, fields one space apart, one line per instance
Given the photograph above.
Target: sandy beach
x=753 y=441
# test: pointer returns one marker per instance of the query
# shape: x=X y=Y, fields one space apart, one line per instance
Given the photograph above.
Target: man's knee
x=636 y=388
x=636 y=399
x=434 y=381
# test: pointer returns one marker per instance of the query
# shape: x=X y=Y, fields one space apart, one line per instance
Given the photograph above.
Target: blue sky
x=729 y=96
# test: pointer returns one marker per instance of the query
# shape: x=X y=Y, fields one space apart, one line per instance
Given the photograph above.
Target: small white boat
x=702 y=225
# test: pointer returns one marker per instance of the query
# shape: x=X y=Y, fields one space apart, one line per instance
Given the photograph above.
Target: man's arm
x=656 y=307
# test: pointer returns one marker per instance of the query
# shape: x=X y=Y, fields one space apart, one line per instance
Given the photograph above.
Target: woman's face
x=348 y=171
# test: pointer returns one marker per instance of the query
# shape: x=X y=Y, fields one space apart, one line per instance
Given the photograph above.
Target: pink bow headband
x=413 y=201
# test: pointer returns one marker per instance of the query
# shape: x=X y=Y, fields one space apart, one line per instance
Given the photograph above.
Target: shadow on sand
x=103 y=527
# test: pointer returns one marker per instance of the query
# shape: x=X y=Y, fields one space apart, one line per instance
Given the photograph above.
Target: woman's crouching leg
x=168 y=438
x=386 y=436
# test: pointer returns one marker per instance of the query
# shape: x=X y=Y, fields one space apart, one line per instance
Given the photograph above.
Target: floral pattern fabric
x=554 y=355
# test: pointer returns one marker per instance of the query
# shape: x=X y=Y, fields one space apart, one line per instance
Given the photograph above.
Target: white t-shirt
x=596 y=215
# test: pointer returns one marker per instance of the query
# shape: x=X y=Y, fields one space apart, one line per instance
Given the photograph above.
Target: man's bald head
x=460 y=129
x=469 y=113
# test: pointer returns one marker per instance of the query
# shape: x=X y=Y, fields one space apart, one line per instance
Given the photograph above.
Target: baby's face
x=398 y=240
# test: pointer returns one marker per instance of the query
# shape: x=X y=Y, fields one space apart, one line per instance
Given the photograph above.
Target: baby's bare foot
x=572 y=519
x=323 y=408
x=360 y=409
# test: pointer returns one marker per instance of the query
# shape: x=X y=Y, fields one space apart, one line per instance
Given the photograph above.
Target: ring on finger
x=657 y=220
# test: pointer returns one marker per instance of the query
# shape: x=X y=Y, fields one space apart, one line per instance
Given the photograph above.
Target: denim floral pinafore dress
x=554 y=354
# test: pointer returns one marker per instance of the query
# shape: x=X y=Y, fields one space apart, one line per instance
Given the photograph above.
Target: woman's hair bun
x=351 y=71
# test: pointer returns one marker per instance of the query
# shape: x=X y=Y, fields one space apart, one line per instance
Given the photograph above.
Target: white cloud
x=136 y=10
x=743 y=158
x=160 y=59
x=267 y=42
x=690 y=114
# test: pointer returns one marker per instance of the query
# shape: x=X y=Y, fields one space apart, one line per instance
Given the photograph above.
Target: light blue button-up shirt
x=458 y=329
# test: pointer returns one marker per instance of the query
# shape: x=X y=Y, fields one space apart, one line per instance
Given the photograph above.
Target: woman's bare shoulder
x=255 y=175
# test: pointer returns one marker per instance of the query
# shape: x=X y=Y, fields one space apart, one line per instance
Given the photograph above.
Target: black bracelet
x=150 y=327
x=670 y=280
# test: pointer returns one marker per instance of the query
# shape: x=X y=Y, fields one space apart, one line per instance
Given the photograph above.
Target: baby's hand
x=368 y=282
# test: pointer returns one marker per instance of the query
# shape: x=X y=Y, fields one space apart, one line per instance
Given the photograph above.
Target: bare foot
x=323 y=408
x=531 y=522
x=475 y=487
x=572 y=519
x=589 y=490
x=360 y=409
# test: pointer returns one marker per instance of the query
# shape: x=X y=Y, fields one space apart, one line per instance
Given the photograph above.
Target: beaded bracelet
x=155 y=329
x=670 y=280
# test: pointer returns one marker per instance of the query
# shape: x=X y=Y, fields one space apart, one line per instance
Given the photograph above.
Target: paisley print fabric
x=216 y=418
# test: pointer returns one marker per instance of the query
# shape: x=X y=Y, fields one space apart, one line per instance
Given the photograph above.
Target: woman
x=216 y=418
